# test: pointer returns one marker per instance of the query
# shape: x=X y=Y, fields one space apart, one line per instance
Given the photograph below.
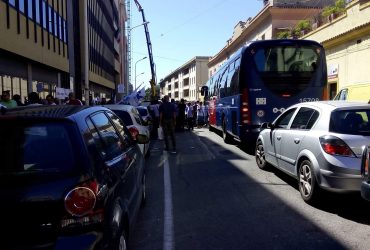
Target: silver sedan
x=318 y=143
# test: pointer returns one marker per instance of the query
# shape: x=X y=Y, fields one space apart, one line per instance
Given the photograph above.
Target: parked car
x=135 y=124
x=144 y=112
x=354 y=92
x=318 y=143
x=70 y=177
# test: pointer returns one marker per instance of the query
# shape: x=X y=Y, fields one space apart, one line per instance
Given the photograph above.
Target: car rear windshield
x=125 y=116
x=31 y=148
x=354 y=122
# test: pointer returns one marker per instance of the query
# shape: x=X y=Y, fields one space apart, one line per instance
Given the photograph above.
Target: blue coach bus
x=260 y=81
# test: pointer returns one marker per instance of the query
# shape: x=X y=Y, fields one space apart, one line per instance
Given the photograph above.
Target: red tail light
x=334 y=146
x=245 y=113
x=134 y=132
x=81 y=200
x=83 y=205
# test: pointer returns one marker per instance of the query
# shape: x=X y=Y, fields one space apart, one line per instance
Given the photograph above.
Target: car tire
x=260 y=156
x=307 y=182
x=120 y=243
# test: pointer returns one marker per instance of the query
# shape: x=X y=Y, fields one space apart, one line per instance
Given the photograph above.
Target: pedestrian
x=154 y=112
x=181 y=114
x=72 y=100
x=50 y=100
x=167 y=119
x=6 y=101
x=17 y=98
x=190 y=116
x=33 y=99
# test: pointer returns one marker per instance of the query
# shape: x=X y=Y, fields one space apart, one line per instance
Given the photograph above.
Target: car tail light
x=134 y=132
x=82 y=205
x=81 y=199
x=245 y=113
x=365 y=162
x=334 y=146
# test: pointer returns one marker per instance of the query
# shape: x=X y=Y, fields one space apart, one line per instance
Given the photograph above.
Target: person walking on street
x=167 y=119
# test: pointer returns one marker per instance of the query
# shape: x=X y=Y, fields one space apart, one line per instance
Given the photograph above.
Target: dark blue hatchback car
x=71 y=177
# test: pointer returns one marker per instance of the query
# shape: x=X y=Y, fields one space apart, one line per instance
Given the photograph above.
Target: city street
x=211 y=195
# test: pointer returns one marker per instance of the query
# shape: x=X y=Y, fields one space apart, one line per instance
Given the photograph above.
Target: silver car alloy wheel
x=260 y=154
x=305 y=180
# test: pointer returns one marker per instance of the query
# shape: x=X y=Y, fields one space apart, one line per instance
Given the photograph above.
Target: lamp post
x=135 y=67
x=136 y=76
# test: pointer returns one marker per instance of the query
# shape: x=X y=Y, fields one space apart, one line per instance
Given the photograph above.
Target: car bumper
x=365 y=190
x=91 y=240
x=340 y=182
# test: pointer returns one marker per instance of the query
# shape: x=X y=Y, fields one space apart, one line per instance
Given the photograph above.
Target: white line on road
x=168 y=232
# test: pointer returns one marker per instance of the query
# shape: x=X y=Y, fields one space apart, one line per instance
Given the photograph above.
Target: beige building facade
x=346 y=40
x=275 y=16
x=185 y=81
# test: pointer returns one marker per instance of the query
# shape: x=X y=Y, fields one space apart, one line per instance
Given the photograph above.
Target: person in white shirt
x=189 y=116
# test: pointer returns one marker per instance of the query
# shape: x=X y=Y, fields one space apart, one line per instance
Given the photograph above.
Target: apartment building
x=275 y=16
x=33 y=46
x=346 y=40
x=45 y=44
x=185 y=81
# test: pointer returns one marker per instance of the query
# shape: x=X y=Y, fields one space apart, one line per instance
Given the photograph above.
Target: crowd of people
x=170 y=116
x=33 y=99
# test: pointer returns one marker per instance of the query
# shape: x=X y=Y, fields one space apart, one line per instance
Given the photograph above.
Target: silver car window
x=304 y=119
x=284 y=119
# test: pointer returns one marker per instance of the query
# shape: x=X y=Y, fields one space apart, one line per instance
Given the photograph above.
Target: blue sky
x=173 y=26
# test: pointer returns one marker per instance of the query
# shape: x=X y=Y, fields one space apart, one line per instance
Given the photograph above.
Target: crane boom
x=150 y=53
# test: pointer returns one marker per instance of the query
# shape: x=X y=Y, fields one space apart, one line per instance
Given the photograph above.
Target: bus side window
x=223 y=83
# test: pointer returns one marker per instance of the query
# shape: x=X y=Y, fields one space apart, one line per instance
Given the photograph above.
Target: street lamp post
x=136 y=76
x=135 y=67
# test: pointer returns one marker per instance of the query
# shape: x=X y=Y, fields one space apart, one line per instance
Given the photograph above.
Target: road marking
x=168 y=232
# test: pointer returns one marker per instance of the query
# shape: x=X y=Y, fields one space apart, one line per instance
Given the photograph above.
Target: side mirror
x=142 y=139
x=267 y=125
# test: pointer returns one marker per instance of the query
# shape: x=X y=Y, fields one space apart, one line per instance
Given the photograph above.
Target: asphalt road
x=212 y=195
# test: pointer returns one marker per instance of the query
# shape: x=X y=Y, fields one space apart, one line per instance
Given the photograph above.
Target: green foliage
x=283 y=34
x=338 y=8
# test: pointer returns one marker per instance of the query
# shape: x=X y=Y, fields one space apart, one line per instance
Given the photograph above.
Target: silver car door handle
x=296 y=140
x=278 y=137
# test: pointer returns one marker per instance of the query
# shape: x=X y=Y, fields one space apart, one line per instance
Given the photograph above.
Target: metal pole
x=86 y=45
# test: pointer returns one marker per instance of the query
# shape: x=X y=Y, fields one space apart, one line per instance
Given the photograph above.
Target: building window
x=29 y=11
x=44 y=21
x=21 y=6
x=38 y=20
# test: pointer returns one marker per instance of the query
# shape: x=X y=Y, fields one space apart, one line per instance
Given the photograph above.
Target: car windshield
x=355 y=122
x=125 y=116
x=35 y=148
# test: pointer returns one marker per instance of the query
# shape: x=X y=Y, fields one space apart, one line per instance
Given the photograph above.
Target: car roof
x=119 y=107
x=50 y=112
x=335 y=104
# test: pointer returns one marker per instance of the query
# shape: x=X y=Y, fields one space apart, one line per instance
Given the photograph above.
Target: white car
x=133 y=121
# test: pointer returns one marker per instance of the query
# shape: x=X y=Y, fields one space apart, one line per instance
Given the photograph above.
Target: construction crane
x=149 y=45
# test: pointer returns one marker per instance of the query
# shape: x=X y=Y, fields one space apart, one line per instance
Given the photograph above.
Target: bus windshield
x=280 y=66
